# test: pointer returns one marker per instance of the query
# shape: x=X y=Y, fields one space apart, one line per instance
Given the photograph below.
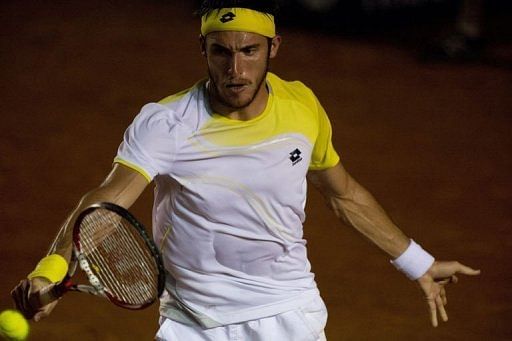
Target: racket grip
x=51 y=293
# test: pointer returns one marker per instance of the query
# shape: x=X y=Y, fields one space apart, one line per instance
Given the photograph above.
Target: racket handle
x=51 y=293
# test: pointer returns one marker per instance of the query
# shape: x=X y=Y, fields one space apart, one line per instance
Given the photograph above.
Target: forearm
x=122 y=187
x=359 y=209
x=353 y=204
x=62 y=243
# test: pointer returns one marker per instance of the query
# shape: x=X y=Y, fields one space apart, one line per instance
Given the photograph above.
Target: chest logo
x=295 y=156
x=230 y=16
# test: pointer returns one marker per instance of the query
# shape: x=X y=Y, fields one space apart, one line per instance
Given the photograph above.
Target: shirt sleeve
x=324 y=155
x=149 y=143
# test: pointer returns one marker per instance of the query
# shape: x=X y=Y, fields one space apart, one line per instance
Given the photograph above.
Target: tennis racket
x=121 y=262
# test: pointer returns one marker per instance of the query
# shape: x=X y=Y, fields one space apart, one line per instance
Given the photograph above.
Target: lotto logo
x=295 y=156
x=230 y=16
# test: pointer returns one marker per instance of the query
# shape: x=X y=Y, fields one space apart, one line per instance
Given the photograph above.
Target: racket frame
x=56 y=291
x=96 y=284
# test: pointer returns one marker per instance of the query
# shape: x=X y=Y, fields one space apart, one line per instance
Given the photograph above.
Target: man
x=229 y=158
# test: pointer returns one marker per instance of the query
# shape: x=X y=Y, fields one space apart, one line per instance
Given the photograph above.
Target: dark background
x=432 y=141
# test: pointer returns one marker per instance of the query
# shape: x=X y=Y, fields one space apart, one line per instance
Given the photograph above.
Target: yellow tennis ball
x=13 y=326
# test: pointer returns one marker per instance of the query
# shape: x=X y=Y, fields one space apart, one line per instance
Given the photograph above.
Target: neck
x=248 y=112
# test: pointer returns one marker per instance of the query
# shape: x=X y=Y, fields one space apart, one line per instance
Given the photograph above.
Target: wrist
x=414 y=262
x=52 y=268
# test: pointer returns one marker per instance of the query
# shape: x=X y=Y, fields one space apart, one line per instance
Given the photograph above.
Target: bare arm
x=122 y=187
x=358 y=208
x=352 y=203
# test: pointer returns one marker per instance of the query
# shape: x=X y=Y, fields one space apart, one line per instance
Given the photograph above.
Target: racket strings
x=125 y=290
x=141 y=276
x=107 y=277
x=123 y=265
x=119 y=257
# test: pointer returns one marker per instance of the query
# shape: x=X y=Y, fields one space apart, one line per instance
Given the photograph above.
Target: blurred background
x=419 y=95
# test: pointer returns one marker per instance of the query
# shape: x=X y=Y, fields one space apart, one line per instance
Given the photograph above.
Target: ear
x=202 y=45
x=274 y=46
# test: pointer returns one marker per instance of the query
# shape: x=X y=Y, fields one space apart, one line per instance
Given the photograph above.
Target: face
x=237 y=66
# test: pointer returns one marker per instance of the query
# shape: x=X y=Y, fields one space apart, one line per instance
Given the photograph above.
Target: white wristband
x=414 y=262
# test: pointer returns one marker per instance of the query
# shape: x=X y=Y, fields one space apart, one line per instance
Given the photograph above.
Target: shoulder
x=167 y=112
x=153 y=118
x=293 y=91
x=170 y=110
x=186 y=107
x=175 y=98
x=184 y=95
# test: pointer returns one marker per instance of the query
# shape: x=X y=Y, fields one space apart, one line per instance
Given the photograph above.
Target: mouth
x=237 y=87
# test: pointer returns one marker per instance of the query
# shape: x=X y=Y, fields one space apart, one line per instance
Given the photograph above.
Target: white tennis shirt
x=229 y=200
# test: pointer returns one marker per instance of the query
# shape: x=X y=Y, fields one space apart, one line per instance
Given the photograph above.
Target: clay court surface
x=432 y=142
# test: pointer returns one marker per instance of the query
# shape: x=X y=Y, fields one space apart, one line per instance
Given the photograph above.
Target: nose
x=235 y=65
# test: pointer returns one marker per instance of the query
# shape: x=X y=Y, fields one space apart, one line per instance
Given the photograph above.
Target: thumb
x=40 y=315
x=466 y=270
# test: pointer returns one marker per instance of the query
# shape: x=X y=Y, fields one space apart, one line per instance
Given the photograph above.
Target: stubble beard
x=215 y=93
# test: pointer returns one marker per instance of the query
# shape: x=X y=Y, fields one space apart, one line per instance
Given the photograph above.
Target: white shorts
x=304 y=324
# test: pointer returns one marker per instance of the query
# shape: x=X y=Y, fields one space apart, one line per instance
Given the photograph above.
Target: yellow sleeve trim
x=136 y=168
x=53 y=267
x=333 y=161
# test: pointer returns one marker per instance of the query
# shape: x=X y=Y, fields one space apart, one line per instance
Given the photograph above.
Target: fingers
x=444 y=281
x=436 y=300
x=433 y=284
x=440 y=307
x=20 y=295
x=452 y=279
x=41 y=314
x=26 y=298
x=466 y=270
x=442 y=294
x=441 y=270
x=436 y=304
x=433 y=311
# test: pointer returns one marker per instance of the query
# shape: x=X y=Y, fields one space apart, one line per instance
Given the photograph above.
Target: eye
x=220 y=50
x=249 y=51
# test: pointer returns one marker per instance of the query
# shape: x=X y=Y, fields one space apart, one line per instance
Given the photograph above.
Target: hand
x=26 y=298
x=433 y=284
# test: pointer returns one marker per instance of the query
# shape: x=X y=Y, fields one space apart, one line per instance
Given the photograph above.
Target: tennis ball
x=13 y=326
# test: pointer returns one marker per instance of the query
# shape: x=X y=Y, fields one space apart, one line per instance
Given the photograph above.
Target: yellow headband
x=238 y=19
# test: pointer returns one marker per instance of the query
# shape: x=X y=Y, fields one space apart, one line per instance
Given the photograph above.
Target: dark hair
x=264 y=6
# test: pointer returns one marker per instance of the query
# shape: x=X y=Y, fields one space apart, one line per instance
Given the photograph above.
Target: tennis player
x=229 y=158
